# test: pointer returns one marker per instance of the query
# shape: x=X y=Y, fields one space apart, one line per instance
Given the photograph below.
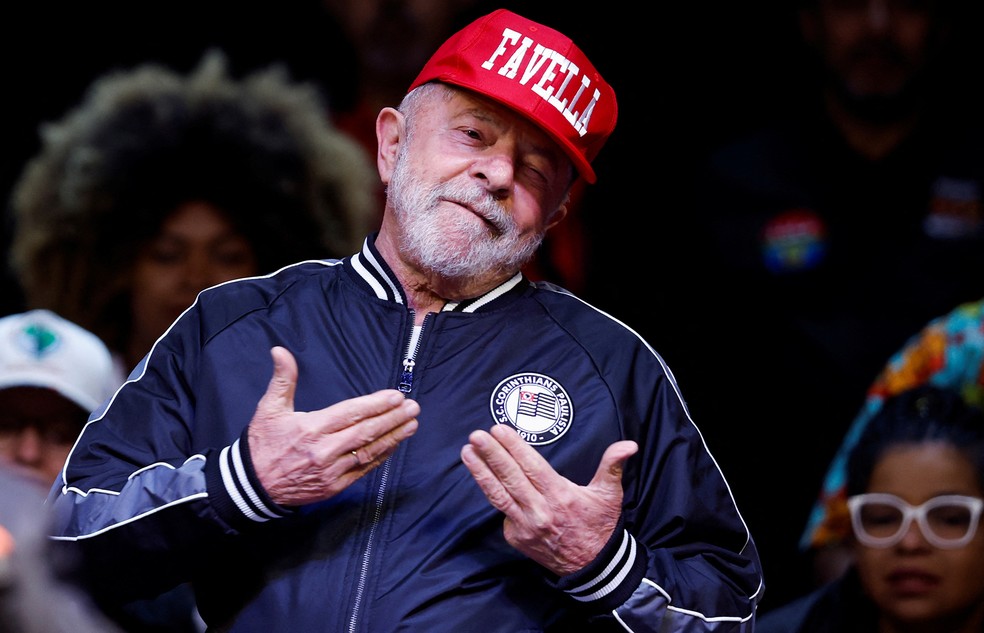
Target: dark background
x=686 y=74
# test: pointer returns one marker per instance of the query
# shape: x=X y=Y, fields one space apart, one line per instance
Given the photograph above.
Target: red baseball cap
x=538 y=72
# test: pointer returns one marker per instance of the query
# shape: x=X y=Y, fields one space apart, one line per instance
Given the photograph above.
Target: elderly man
x=443 y=445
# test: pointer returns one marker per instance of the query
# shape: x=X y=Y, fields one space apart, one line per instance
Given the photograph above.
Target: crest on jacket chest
x=537 y=406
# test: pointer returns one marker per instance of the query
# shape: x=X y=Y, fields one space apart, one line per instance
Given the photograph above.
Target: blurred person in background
x=949 y=353
x=38 y=591
x=52 y=375
x=158 y=185
x=820 y=241
x=390 y=40
x=915 y=492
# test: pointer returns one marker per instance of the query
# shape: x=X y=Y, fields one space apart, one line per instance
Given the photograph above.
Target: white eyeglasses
x=882 y=520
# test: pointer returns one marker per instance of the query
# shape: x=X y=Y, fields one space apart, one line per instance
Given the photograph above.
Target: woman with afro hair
x=158 y=185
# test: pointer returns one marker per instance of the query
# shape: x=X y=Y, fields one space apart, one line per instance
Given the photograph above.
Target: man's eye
x=538 y=170
x=536 y=174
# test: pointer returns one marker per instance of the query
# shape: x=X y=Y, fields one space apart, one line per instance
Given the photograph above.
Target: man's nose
x=496 y=170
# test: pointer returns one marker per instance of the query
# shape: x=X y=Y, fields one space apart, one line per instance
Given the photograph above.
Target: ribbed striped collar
x=369 y=265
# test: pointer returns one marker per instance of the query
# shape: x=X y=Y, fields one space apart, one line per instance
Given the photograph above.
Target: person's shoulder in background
x=833 y=607
x=37 y=594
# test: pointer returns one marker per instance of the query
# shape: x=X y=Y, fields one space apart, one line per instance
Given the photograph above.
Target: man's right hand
x=303 y=457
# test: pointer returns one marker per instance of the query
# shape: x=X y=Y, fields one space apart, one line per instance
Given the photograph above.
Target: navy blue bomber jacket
x=159 y=489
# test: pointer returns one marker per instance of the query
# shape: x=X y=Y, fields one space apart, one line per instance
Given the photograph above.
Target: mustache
x=481 y=201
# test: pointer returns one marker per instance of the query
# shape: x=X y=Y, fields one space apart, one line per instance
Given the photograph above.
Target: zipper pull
x=406 y=378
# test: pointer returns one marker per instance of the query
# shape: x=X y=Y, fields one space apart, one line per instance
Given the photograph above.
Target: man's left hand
x=557 y=523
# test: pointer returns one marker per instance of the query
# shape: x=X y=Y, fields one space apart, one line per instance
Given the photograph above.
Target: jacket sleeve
x=153 y=480
x=683 y=559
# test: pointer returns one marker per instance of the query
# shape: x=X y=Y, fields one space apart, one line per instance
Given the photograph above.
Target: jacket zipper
x=406 y=384
x=367 y=555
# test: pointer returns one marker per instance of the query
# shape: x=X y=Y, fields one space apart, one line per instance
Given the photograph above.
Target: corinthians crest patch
x=535 y=405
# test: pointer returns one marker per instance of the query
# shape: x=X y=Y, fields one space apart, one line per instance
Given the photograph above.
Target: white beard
x=456 y=245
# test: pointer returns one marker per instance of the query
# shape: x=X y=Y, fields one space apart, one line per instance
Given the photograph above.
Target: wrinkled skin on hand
x=557 y=523
x=303 y=457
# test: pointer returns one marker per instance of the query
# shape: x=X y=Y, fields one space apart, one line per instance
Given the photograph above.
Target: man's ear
x=559 y=214
x=389 y=135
